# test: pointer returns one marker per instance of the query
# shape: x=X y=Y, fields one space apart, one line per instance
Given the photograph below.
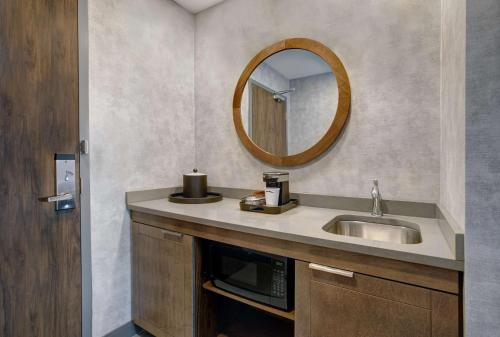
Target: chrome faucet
x=376 y=200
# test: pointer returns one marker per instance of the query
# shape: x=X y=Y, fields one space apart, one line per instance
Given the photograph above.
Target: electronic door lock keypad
x=65 y=181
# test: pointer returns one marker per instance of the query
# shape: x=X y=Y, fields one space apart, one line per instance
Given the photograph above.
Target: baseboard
x=127 y=330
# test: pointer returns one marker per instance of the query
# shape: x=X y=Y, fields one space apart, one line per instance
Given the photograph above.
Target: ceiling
x=195 y=6
x=297 y=63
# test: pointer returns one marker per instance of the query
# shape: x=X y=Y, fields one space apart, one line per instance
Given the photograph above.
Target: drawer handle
x=169 y=234
x=331 y=270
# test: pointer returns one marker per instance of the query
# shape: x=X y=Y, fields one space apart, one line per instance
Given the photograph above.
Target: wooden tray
x=269 y=209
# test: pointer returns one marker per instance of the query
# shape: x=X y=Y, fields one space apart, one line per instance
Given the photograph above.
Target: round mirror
x=291 y=102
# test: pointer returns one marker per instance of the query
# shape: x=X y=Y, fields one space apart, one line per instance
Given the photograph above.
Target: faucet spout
x=376 y=200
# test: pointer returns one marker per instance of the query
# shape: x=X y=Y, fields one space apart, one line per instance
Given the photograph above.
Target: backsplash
x=391 y=50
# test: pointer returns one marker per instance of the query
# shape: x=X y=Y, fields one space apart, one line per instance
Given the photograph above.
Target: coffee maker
x=279 y=180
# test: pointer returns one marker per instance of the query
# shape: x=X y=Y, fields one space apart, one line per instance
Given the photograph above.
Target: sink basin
x=377 y=229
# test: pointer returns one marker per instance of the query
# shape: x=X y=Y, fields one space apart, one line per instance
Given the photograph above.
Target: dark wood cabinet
x=162 y=263
x=336 y=311
x=332 y=305
x=383 y=298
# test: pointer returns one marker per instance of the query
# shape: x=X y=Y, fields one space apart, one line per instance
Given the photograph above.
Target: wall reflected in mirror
x=289 y=102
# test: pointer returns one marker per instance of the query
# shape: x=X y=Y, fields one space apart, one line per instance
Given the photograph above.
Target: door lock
x=65 y=182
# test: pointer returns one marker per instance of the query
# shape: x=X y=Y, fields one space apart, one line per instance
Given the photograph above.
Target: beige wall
x=452 y=196
x=391 y=50
x=141 y=129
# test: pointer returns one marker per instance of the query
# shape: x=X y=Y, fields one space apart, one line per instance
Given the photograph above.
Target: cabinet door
x=162 y=281
x=331 y=305
x=340 y=312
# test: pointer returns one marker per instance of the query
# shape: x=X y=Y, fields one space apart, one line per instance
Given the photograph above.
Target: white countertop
x=304 y=224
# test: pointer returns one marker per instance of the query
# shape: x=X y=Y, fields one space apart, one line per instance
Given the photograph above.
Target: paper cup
x=272 y=196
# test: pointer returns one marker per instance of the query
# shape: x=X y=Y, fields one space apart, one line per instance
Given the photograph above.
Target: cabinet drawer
x=374 y=286
x=338 y=303
x=157 y=233
x=340 y=312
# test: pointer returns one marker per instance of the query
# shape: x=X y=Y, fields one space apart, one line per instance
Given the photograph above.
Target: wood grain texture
x=207 y=317
x=341 y=115
x=162 y=281
x=268 y=122
x=188 y=311
x=391 y=290
x=206 y=307
x=302 y=299
x=411 y=273
x=40 y=267
x=273 y=311
x=339 y=312
x=332 y=305
x=446 y=315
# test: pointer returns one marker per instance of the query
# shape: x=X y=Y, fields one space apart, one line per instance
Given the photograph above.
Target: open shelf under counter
x=236 y=319
x=274 y=311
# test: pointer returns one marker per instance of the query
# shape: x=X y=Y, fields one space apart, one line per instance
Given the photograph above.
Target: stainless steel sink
x=377 y=229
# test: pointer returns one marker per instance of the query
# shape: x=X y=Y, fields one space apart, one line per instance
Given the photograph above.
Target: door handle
x=331 y=270
x=58 y=197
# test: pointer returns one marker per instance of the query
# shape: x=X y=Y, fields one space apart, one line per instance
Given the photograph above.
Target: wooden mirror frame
x=343 y=106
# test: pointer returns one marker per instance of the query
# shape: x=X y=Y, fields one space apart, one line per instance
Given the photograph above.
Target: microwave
x=261 y=277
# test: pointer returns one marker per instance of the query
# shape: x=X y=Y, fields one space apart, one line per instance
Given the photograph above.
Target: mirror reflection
x=289 y=102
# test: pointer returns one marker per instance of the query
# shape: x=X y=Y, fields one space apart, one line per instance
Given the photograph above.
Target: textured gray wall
x=482 y=239
x=391 y=50
x=313 y=107
x=452 y=196
x=141 y=129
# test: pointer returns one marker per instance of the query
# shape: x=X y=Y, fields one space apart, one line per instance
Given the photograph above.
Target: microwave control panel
x=279 y=279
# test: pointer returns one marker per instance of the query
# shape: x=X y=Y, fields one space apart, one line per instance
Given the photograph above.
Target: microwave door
x=243 y=269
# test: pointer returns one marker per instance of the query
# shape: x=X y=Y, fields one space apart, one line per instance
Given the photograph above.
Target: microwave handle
x=331 y=270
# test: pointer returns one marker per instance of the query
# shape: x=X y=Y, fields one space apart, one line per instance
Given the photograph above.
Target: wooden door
x=268 y=122
x=40 y=267
x=162 y=281
x=330 y=305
